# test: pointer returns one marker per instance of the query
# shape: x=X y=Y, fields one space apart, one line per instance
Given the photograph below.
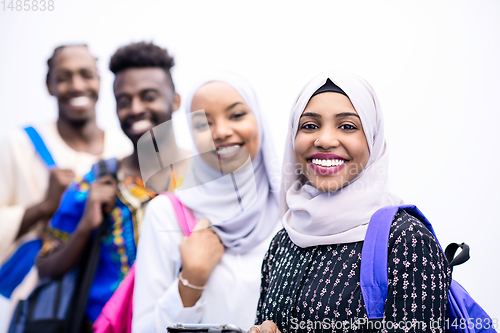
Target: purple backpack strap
x=374 y=280
x=186 y=220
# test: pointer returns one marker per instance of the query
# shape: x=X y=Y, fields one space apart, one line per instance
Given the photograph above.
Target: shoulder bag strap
x=186 y=220
x=373 y=270
x=40 y=147
x=89 y=263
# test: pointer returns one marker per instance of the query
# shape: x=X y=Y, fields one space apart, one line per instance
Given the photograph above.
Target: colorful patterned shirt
x=119 y=246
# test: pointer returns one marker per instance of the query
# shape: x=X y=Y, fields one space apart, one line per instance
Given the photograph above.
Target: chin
x=77 y=123
x=82 y=115
x=327 y=186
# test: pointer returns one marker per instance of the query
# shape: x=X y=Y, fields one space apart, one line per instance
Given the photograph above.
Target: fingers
x=106 y=180
x=103 y=191
x=109 y=205
x=62 y=176
x=269 y=327
x=202 y=224
x=254 y=329
x=102 y=194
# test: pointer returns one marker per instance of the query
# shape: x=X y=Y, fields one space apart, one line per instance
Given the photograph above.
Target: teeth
x=79 y=101
x=327 y=163
x=141 y=125
x=227 y=150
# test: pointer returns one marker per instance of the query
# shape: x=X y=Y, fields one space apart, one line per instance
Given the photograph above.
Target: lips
x=326 y=164
x=229 y=150
x=141 y=125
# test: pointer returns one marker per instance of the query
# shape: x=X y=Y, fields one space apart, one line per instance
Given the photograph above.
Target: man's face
x=145 y=98
x=74 y=81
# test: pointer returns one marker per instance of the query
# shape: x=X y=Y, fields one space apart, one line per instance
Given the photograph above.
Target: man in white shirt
x=30 y=192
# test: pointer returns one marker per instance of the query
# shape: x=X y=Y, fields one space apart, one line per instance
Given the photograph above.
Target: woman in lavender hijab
x=334 y=179
x=212 y=276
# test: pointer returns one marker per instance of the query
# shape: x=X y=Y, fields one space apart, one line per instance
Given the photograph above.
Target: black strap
x=462 y=257
x=58 y=297
x=89 y=268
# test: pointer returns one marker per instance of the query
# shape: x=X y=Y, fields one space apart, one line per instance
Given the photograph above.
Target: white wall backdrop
x=434 y=64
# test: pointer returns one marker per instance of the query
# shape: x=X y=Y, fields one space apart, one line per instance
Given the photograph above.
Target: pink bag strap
x=186 y=220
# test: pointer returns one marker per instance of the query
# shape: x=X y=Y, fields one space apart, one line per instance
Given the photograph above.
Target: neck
x=130 y=163
x=83 y=136
x=81 y=131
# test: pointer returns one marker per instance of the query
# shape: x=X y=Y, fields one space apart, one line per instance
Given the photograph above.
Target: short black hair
x=57 y=50
x=141 y=55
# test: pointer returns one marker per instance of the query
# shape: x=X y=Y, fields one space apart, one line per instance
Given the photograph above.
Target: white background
x=434 y=64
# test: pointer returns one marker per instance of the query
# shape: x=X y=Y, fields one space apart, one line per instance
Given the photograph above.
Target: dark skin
x=142 y=94
x=73 y=75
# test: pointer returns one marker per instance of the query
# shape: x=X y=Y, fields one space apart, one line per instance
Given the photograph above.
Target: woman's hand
x=200 y=253
x=266 y=327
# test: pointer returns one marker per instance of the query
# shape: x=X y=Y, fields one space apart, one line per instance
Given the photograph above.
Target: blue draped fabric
x=15 y=269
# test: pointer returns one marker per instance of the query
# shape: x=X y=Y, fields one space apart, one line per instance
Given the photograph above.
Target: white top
x=24 y=177
x=231 y=293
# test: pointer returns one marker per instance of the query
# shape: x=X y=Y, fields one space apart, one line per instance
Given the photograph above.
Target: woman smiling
x=213 y=275
x=334 y=180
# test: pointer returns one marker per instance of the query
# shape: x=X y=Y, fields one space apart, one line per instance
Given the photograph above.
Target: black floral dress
x=317 y=289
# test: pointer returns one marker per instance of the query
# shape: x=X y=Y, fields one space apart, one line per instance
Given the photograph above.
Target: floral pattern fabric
x=317 y=289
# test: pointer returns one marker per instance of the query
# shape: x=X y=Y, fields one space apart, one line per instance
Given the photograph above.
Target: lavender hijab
x=243 y=207
x=312 y=217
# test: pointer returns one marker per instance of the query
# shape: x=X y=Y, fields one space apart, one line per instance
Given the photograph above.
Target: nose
x=136 y=106
x=326 y=139
x=221 y=130
x=78 y=83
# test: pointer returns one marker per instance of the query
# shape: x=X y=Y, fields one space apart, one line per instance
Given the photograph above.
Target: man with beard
x=145 y=97
x=31 y=189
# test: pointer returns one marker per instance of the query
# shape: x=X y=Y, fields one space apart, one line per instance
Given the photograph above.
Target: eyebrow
x=197 y=114
x=233 y=105
x=148 y=90
x=142 y=92
x=67 y=70
x=310 y=114
x=346 y=114
x=339 y=115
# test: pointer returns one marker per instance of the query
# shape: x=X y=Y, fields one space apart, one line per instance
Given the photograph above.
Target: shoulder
x=160 y=215
x=19 y=156
x=16 y=140
x=409 y=232
x=19 y=141
x=280 y=237
x=280 y=241
x=405 y=225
